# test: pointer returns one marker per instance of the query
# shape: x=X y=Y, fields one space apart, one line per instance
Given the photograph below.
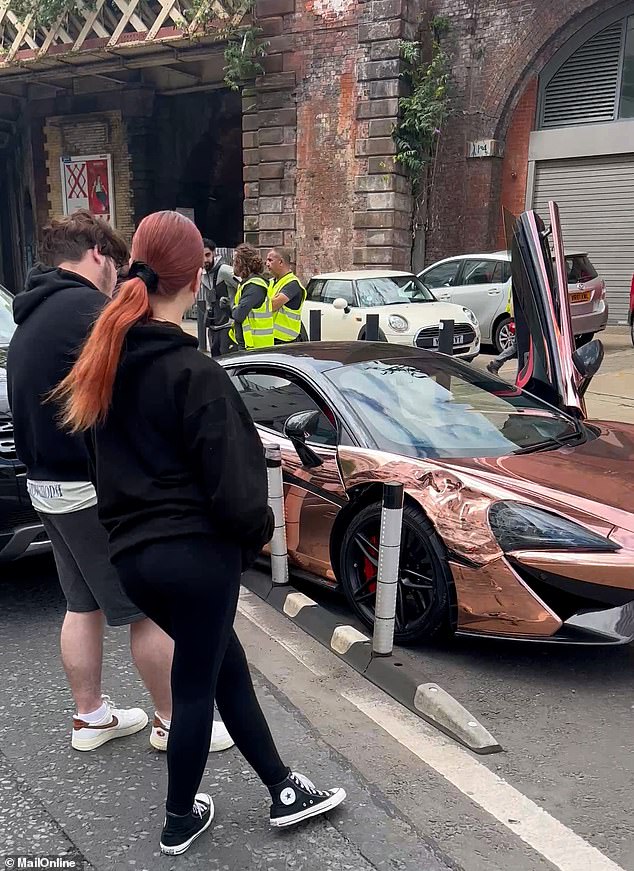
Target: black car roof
x=322 y=356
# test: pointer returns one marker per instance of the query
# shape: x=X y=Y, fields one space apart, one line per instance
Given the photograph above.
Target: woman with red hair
x=182 y=492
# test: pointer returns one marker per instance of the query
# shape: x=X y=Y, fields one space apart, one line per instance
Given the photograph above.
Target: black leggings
x=190 y=586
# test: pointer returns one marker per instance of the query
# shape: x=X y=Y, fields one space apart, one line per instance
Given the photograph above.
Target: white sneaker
x=116 y=723
x=220 y=737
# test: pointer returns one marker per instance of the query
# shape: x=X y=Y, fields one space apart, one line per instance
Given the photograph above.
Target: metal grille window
x=626 y=109
x=586 y=88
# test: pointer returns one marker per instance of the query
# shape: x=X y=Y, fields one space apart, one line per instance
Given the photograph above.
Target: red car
x=631 y=314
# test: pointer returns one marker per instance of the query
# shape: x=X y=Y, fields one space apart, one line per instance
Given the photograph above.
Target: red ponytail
x=86 y=392
x=172 y=246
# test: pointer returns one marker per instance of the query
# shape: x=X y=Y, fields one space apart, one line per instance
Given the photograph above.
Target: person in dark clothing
x=251 y=313
x=182 y=486
x=54 y=314
x=214 y=288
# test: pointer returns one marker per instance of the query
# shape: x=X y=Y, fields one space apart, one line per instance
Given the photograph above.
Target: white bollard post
x=387 y=577
x=279 y=554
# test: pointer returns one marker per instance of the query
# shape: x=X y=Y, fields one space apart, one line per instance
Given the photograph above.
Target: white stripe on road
x=558 y=844
x=526 y=819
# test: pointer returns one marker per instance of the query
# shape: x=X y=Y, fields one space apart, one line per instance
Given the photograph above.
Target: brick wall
x=515 y=163
x=317 y=135
x=499 y=48
x=102 y=133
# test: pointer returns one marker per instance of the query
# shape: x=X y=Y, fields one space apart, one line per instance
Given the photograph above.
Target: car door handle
x=494 y=292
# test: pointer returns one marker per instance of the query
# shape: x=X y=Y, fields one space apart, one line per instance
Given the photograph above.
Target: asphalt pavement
x=105 y=808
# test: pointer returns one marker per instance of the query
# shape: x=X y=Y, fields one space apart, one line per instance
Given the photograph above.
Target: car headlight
x=470 y=316
x=398 y=323
x=522 y=527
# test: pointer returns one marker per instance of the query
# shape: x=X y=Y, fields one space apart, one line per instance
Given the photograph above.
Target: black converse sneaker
x=179 y=833
x=296 y=799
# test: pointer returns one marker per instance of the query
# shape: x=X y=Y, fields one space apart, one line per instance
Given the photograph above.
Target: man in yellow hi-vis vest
x=511 y=351
x=287 y=295
x=251 y=312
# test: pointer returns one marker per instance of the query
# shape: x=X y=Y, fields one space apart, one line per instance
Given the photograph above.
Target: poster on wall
x=87 y=184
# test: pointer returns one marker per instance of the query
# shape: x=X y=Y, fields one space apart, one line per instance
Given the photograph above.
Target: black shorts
x=88 y=579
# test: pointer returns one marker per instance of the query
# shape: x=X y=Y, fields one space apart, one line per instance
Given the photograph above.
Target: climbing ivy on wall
x=423 y=111
x=46 y=12
x=243 y=54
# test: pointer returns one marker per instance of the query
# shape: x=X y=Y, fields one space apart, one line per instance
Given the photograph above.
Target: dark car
x=20 y=529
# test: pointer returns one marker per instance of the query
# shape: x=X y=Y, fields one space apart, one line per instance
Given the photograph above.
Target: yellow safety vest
x=288 y=321
x=257 y=327
x=509 y=305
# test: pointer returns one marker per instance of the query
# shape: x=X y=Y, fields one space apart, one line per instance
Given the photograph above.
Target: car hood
x=422 y=313
x=591 y=483
x=4 y=401
x=595 y=479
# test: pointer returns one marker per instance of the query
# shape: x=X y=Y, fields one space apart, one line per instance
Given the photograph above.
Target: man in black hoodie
x=54 y=316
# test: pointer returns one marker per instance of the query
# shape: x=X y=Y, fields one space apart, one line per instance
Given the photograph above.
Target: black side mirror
x=298 y=428
x=588 y=359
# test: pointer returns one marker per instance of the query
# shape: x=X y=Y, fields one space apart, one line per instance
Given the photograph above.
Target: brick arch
x=536 y=43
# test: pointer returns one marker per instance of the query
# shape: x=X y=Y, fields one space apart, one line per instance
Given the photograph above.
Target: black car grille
x=428 y=338
x=7 y=444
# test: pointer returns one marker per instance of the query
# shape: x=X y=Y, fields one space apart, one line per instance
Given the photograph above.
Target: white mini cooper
x=409 y=313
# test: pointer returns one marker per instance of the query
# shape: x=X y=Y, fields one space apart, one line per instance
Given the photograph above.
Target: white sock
x=166 y=723
x=95 y=716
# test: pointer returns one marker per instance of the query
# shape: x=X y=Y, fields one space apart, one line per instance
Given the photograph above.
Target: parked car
x=408 y=311
x=20 y=529
x=630 y=317
x=512 y=525
x=481 y=282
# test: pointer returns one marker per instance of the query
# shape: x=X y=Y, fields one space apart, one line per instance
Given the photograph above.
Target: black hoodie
x=54 y=315
x=178 y=453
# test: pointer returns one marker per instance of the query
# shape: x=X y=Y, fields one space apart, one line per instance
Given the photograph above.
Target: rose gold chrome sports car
x=519 y=516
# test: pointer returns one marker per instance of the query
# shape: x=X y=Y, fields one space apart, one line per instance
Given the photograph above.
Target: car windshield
x=393 y=290
x=434 y=408
x=7 y=326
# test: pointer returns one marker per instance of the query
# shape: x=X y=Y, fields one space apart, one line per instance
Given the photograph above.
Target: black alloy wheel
x=423 y=597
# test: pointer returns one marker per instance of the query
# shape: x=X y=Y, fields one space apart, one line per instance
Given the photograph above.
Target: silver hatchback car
x=481 y=283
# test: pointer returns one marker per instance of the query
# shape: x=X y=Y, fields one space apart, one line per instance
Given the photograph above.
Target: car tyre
x=502 y=336
x=425 y=587
x=382 y=336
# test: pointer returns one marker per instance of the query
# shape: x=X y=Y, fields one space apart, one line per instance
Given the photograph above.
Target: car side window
x=502 y=272
x=315 y=290
x=444 y=275
x=338 y=288
x=478 y=272
x=271 y=399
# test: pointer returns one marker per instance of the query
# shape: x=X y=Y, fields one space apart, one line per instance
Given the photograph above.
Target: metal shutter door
x=596 y=200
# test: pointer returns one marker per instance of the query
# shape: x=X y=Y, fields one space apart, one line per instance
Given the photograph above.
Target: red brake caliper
x=369 y=570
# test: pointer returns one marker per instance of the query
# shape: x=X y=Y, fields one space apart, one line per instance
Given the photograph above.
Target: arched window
x=595 y=83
